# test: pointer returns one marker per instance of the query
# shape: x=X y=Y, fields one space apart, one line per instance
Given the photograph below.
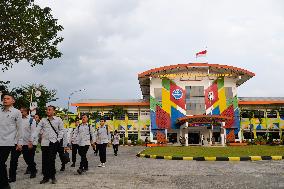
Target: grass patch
x=229 y=151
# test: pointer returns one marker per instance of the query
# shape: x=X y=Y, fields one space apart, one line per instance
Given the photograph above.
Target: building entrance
x=193 y=138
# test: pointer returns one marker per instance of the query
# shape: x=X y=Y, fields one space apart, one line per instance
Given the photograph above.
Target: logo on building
x=211 y=96
x=177 y=94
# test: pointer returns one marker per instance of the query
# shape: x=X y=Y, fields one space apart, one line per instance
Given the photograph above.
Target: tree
x=117 y=112
x=27 y=32
x=23 y=95
x=4 y=86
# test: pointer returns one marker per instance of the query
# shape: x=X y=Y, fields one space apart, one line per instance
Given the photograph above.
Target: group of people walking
x=21 y=133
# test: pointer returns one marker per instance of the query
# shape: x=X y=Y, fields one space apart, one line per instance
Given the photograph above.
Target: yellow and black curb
x=246 y=158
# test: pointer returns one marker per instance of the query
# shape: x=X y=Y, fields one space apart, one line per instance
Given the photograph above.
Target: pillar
x=186 y=137
x=223 y=131
x=210 y=137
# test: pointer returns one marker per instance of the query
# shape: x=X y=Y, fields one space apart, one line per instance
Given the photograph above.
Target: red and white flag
x=201 y=53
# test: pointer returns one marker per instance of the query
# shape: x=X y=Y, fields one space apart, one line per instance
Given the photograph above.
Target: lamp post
x=68 y=106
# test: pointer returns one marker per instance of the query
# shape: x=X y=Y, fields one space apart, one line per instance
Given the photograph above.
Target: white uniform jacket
x=48 y=134
x=11 y=127
x=85 y=134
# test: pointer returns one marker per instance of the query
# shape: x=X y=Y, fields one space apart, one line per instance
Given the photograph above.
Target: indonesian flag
x=201 y=53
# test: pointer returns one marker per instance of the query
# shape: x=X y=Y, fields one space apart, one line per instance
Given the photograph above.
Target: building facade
x=197 y=101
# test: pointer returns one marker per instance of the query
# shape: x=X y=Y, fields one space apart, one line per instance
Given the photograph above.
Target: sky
x=108 y=42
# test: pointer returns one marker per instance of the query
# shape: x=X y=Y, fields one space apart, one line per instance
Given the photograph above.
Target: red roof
x=154 y=70
x=203 y=119
x=261 y=102
x=100 y=104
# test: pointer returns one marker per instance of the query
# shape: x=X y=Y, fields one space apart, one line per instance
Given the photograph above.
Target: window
x=195 y=101
x=187 y=92
x=245 y=114
x=121 y=117
x=281 y=113
x=132 y=136
x=158 y=94
x=258 y=114
x=275 y=135
x=271 y=114
x=132 y=116
x=144 y=112
x=248 y=135
x=262 y=134
x=196 y=91
x=107 y=116
x=229 y=92
x=172 y=137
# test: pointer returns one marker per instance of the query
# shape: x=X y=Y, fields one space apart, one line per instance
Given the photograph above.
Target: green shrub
x=125 y=140
x=140 y=142
x=120 y=141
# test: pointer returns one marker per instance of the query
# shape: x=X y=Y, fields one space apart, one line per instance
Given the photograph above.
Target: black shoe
x=53 y=181
x=11 y=180
x=73 y=165
x=79 y=171
x=33 y=175
x=44 y=181
x=62 y=168
x=86 y=169
x=7 y=187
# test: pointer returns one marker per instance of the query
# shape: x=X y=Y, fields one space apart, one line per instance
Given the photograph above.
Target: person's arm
x=33 y=135
x=19 y=127
x=37 y=130
x=95 y=135
x=71 y=139
x=92 y=133
x=65 y=138
x=60 y=129
x=108 y=135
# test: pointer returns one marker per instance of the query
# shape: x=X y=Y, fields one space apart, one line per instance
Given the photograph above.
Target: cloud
x=107 y=43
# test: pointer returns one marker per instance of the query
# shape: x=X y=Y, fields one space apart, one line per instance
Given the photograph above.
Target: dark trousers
x=15 y=154
x=4 y=154
x=48 y=160
x=102 y=152
x=29 y=157
x=60 y=151
x=115 y=148
x=74 y=152
x=82 y=150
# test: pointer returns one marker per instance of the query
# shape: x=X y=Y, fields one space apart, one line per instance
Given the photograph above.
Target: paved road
x=127 y=171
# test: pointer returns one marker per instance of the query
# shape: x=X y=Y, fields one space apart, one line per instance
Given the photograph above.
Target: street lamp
x=68 y=106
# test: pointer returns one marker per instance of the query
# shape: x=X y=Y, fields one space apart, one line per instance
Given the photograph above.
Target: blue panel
x=228 y=131
x=236 y=131
x=175 y=114
x=216 y=111
x=237 y=123
x=153 y=120
x=258 y=127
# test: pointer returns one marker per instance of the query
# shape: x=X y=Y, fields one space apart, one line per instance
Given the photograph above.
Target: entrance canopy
x=202 y=119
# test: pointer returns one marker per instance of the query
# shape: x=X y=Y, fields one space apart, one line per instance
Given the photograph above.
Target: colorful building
x=195 y=101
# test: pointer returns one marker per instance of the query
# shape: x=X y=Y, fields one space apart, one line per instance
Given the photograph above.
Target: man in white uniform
x=51 y=129
x=11 y=130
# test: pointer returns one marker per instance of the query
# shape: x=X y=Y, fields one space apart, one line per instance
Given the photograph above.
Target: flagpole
x=206 y=54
